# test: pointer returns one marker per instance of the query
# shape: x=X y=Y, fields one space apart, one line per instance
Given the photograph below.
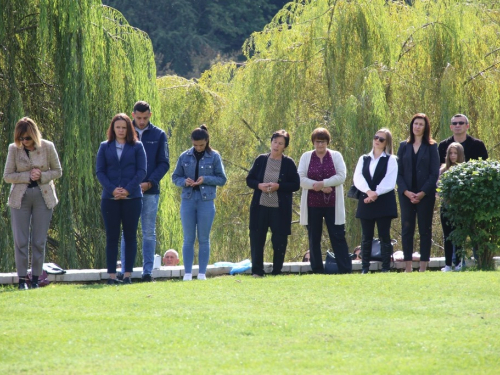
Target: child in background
x=454 y=155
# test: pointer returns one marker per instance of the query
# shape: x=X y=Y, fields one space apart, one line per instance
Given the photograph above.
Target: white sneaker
x=201 y=276
x=188 y=277
x=459 y=267
x=446 y=269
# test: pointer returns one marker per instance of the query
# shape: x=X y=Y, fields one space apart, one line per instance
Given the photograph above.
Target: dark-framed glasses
x=25 y=138
x=379 y=138
x=458 y=123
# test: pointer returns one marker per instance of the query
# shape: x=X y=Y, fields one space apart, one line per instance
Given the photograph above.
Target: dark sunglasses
x=458 y=123
x=378 y=138
x=25 y=138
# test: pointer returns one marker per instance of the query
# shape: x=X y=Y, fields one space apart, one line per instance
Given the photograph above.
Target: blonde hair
x=27 y=125
x=388 y=140
x=460 y=156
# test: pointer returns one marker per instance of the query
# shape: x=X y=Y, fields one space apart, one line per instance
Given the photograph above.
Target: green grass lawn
x=358 y=324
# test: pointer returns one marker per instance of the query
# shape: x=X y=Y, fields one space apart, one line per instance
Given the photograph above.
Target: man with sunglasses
x=473 y=148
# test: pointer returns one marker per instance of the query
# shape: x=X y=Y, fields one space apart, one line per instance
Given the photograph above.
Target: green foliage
x=277 y=325
x=353 y=67
x=471 y=195
x=188 y=35
x=70 y=65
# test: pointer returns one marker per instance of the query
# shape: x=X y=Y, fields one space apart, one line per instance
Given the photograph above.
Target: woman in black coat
x=274 y=178
x=418 y=172
x=375 y=177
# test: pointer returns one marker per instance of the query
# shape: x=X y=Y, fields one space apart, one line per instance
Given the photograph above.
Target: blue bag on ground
x=241 y=267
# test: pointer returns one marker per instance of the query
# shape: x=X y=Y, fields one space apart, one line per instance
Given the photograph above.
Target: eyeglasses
x=458 y=123
x=320 y=142
x=379 y=138
x=25 y=138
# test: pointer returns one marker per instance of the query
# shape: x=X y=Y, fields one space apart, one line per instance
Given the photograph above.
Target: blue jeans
x=121 y=213
x=148 y=223
x=197 y=217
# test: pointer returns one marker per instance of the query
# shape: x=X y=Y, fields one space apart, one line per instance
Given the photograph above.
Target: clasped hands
x=268 y=187
x=320 y=186
x=120 y=193
x=372 y=197
x=414 y=198
x=35 y=174
x=191 y=182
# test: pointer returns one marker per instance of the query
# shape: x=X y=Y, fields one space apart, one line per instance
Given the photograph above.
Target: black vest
x=385 y=205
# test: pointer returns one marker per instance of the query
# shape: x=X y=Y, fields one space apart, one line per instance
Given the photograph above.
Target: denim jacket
x=210 y=168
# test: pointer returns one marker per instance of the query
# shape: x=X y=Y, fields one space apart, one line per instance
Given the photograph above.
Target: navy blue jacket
x=128 y=172
x=155 y=143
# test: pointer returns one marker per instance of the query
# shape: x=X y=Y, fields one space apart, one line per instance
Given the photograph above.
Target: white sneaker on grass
x=201 y=276
x=458 y=268
x=188 y=277
x=446 y=269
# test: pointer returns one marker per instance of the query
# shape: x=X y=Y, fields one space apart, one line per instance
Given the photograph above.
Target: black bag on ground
x=331 y=267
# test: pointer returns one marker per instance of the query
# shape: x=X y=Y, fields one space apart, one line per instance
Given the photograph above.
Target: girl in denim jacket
x=199 y=171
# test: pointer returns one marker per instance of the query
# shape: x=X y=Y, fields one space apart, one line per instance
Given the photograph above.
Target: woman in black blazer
x=274 y=178
x=418 y=172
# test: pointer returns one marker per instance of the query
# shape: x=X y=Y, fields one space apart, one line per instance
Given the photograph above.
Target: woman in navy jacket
x=418 y=172
x=274 y=178
x=120 y=168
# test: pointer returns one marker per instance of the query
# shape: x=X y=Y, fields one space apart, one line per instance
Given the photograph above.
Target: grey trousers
x=33 y=215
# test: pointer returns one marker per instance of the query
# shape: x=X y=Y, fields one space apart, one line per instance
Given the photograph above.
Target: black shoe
x=23 y=286
x=365 y=271
x=382 y=270
x=127 y=280
x=147 y=278
x=114 y=282
x=35 y=286
x=119 y=276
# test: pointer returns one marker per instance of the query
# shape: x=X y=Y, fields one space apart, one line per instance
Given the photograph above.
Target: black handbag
x=331 y=267
x=353 y=193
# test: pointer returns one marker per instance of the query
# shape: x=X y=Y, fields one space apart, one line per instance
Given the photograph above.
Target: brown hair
x=131 y=134
x=27 y=125
x=426 y=138
x=201 y=134
x=321 y=134
x=460 y=156
x=282 y=133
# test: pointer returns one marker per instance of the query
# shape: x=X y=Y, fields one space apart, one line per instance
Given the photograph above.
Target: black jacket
x=473 y=148
x=427 y=168
x=289 y=182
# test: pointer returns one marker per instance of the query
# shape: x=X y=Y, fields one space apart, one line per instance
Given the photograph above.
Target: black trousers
x=384 y=235
x=448 y=245
x=269 y=217
x=410 y=214
x=337 y=239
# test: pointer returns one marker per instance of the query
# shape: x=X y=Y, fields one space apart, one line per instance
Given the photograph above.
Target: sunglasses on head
x=25 y=138
x=379 y=138
x=458 y=123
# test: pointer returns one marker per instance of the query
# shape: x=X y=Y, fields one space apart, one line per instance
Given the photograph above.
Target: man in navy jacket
x=155 y=143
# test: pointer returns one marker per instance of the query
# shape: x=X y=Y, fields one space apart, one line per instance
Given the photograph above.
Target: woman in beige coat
x=32 y=165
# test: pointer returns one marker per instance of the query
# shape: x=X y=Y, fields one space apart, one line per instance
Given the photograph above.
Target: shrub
x=471 y=196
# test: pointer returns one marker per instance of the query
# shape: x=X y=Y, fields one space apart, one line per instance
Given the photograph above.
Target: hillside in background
x=190 y=35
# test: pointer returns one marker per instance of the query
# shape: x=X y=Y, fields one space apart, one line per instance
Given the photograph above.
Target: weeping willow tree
x=70 y=65
x=352 y=67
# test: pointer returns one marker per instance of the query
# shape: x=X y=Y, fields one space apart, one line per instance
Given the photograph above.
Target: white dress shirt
x=387 y=184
